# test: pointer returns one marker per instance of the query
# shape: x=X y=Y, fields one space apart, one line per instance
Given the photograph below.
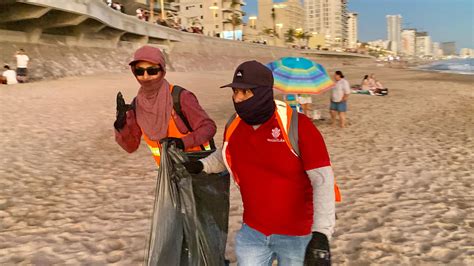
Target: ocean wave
x=460 y=66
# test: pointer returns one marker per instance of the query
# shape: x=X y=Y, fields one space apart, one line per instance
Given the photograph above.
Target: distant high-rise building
x=436 y=50
x=467 y=52
x=423 y=44
x=328 y=17
x=352 y=33
x=394 y=29
x=280 y=16
x=449 y=48
x=408 y=45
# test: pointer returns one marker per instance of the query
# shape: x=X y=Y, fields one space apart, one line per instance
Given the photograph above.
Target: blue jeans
x=255 y=249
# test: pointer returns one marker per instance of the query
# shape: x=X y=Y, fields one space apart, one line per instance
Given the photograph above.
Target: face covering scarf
x=154 y=103
x=257 y=109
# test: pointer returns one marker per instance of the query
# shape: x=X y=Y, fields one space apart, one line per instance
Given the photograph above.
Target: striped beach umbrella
x=300 y=75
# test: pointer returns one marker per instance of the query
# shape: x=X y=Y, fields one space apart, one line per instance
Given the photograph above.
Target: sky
x=444 y=20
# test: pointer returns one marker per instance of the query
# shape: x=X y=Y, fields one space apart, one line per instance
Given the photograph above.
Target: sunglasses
x=140 y=71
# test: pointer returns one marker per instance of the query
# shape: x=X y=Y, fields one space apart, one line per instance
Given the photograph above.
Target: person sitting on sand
x=378 y=85
x=366 y=83
x=371 y=80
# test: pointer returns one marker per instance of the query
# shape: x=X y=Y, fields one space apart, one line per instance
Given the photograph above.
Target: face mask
x=257 y=109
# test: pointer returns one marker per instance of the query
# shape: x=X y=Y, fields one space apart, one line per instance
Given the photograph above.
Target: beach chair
x=292 y=101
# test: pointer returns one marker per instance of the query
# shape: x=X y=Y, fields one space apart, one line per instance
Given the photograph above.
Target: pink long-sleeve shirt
x=204 y=128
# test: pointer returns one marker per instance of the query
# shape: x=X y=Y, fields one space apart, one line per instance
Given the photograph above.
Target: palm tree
x=290 y=35
x=268 y=31
x=274 y=18
x=300 y=35
x=235 y=21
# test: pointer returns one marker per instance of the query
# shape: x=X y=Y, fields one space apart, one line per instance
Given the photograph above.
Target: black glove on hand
x=122 y=109
x=177 y=141
x=317 y=252
x=194 y=167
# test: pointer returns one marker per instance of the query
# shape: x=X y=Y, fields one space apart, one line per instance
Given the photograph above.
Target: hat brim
x=135 y=61
x=240 y=85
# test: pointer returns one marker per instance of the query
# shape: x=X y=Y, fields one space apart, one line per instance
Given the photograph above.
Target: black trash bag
x=191 y=212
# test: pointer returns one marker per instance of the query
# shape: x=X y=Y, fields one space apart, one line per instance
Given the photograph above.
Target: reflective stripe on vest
x=174 y=132
x=288 y=120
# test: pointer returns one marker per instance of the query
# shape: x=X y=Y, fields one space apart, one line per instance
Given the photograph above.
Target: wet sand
x=70 y=195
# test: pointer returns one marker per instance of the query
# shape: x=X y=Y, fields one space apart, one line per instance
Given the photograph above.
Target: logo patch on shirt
x=276 y=132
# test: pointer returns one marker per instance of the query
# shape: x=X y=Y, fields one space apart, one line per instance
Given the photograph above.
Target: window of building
x=217 y=15
x=217 y=26
x=187 y=8
x=200 y=6
x=202 y=17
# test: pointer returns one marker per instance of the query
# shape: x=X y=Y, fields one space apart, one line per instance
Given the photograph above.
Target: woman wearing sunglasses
x=152 y=115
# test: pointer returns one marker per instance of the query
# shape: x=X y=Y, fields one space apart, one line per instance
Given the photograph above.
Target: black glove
x=194 y=167
x=177 y=141
x=317 y=252
x=122 y=109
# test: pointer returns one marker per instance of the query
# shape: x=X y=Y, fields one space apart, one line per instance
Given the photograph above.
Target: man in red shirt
x=287 y=186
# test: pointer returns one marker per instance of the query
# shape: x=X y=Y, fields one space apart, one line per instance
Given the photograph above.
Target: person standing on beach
x=21 y=65
x=339 y=95
x=152 y=115
x=279 y=160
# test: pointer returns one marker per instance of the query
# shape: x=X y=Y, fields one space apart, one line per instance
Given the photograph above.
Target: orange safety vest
x=287 y=120
x=173 y=132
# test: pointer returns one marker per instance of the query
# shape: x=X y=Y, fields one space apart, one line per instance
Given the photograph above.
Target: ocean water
x=459 y=66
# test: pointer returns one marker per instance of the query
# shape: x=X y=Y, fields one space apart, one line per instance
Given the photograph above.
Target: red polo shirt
x=276 y=191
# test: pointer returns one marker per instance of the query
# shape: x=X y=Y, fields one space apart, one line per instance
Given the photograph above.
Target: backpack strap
x=231 y=119
x=176 y=94
x=293 y=133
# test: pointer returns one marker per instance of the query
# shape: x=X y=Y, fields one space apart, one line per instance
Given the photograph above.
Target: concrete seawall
x=78 y=37
x=58 y=60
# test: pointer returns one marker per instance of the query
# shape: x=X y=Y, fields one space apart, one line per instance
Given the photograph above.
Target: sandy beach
x=70 y=195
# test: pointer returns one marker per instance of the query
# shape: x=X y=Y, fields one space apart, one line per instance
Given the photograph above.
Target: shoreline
x=442 y=71
x=427 y=66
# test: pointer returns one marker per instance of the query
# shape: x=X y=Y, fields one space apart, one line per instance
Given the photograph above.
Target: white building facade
x=423 y=45
x=352 y=28
x=191 y=13
x=394 y=29
x=328 y=17
x=214 y=16
x=408 y=38
x=436 y=50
